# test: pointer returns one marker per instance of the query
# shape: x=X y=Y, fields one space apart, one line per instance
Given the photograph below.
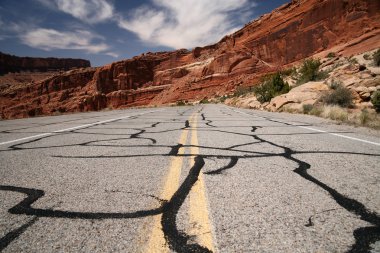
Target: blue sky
x=104 y=31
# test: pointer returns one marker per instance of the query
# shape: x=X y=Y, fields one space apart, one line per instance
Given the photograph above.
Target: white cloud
x=89 y=11
x=114 y=55
x=13 y=30
x=49 y=39
x=171 y=23
x=184 y=23
x=144 y=22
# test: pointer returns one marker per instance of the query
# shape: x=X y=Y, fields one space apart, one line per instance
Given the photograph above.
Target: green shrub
x=56 y=87
x=331 y=55
x=290 y=109
x=271 y=86
x=364 y=117
x=353 y=60
x=204 y=101
x=337 y=65
x=309 y=71
x=339 y=96
x=222 y=98
x=366 y=57
x=317 y=111
x=307 y=108
x=376 y=58
x=242 y=90
x=288 y=72
x=337 y=113
x=335 y=84
x=181 y=103
x=375 y=100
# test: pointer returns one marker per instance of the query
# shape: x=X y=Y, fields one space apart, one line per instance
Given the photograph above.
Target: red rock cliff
x=289 y=34
x=11 y=63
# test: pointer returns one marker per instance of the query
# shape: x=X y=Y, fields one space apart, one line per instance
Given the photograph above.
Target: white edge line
x=341 y=135
x=26 y=138
x=317 y=130
x=75 y=128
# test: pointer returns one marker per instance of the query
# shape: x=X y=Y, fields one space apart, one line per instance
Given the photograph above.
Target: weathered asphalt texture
x=274 y=182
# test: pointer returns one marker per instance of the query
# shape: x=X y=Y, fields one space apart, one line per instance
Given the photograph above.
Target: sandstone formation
x=289 y=34
x=11 y=63
x=361 y=81
x=308 y=93
x=60 y=93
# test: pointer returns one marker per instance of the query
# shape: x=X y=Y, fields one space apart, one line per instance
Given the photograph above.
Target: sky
x=104 y=31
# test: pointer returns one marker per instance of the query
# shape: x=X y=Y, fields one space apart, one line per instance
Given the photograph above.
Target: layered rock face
x=289 y=34
x=60 y=93
x=11 y=63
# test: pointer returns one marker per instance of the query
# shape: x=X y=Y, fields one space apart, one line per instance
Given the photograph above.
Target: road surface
x=207 y=178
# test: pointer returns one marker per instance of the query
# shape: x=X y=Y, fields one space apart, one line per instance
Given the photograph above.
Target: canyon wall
x=286 y=36
x=11 y=63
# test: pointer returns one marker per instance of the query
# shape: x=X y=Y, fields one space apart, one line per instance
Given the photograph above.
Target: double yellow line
x=200 y=226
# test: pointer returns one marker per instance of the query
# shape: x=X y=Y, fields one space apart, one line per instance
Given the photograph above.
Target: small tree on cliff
x=309 y=71
x=375 y=99
x=376 y=58
x=271 y=86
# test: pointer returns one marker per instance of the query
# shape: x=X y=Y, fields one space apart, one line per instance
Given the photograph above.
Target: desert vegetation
x=309 y=71
x=363 y=117
x=337 y=104
x=376 y=58
x=271 y=86
x=339 y=95
x=242 y=91
x=204 y=101
x=181 y=103
x=345 y=89
x=375 y=99
x=331 y=55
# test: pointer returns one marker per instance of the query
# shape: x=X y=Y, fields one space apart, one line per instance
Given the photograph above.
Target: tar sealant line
x=75 y=128
x=320 y=131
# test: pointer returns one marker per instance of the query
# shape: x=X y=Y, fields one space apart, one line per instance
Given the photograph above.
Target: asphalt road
x=208 y=178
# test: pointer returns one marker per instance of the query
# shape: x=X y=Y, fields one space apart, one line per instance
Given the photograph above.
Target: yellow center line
x=200 y=225
x=157 y=241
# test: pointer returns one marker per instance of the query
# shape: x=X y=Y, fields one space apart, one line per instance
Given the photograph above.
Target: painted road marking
x=341 y=135
x=74 y=128
x=318 y=130
x=198 y=208
x=157 y=242
x=200 y=225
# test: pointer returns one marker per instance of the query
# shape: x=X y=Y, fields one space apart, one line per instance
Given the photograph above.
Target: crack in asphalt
x=25 y=208
x=310 y=221
x=14 y=234
x=179 y=240
x=167 y=208
x=231 y=164
x=364 y=236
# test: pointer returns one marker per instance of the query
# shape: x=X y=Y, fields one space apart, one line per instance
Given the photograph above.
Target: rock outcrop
x=308 y=93
x=357 y=73
x=289 y=34
x=11 y=63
